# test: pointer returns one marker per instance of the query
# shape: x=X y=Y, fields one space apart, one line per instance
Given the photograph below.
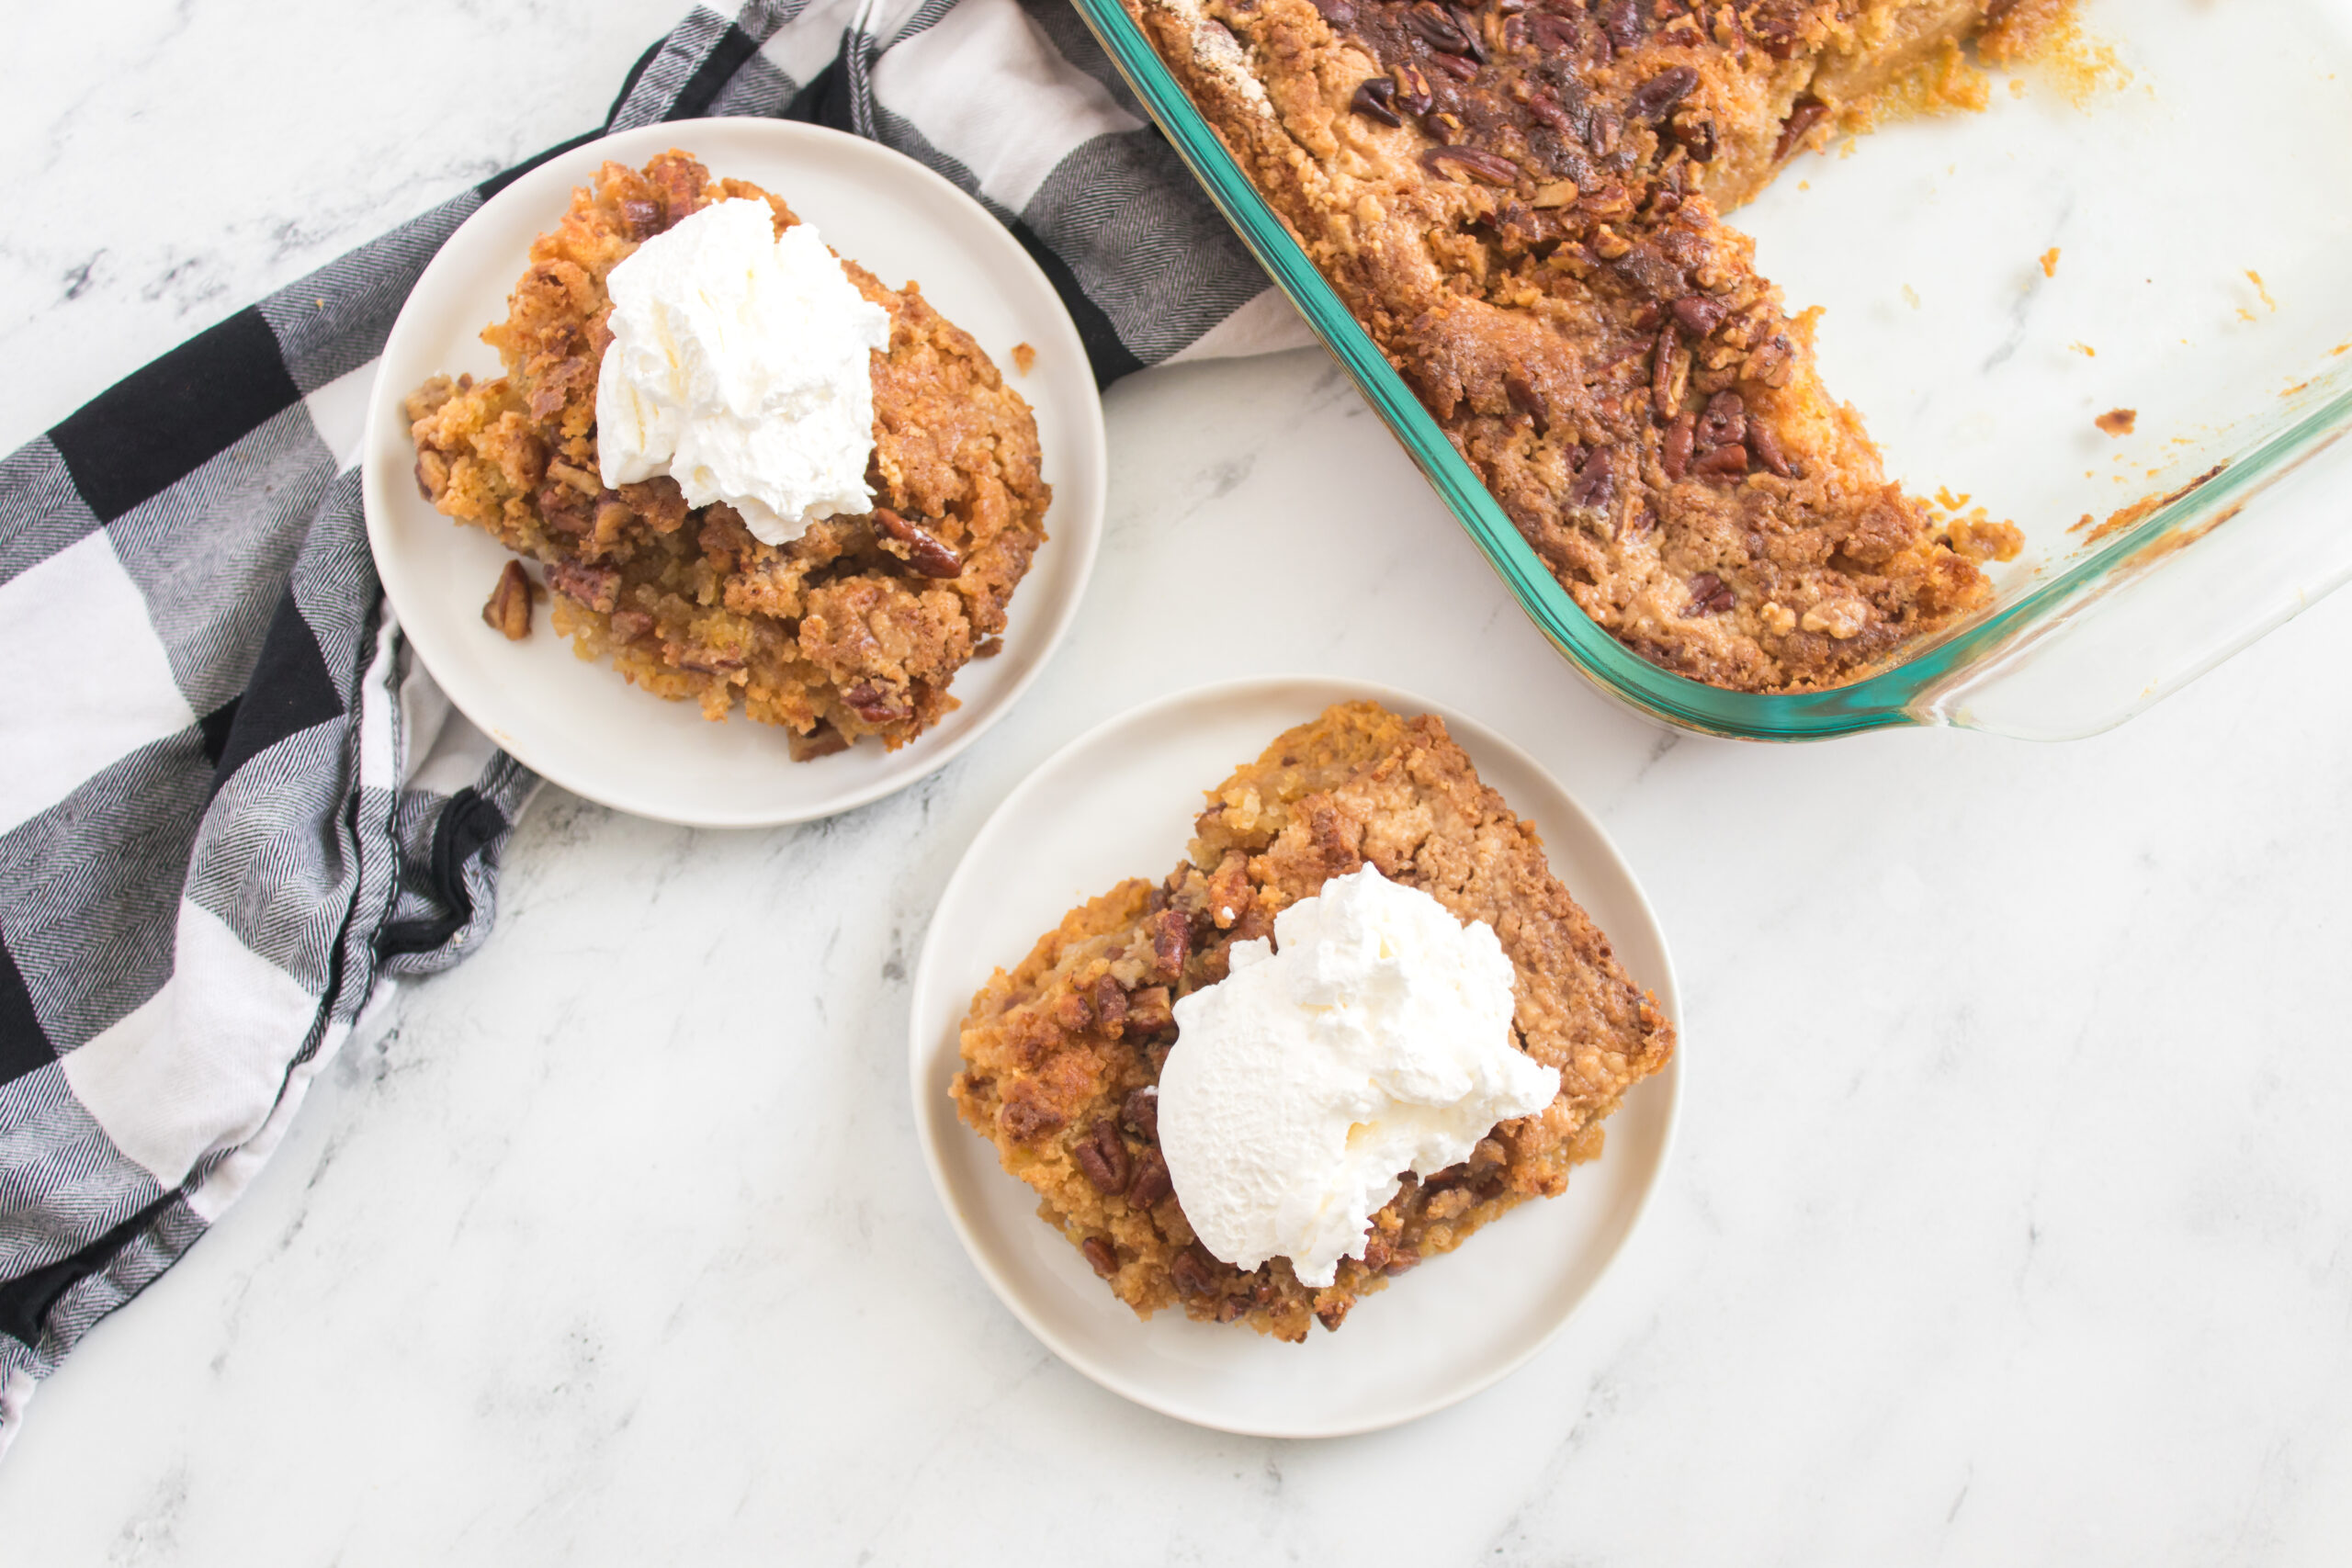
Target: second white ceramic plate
x=579 y=723
x=1120 y=802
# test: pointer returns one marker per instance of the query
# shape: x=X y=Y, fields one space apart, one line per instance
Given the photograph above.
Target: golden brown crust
x=1060 y=1055
x=853 y=629
x=1518 y=198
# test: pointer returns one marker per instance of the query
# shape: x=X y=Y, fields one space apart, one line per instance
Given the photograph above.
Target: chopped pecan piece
x=1767 y=447
x=1655 y=98
x=1194 y=1270
x=595 y=586
x=508 y=610
x=1025 y=1121
x=922 y=548
x=1101 y=1255
x=1149 y=1011
x=1709 y=595
x=872 y=703
x=1171 y=943
x=1139 y=1112
x=1680 y=441
x=1807 y=113
x=1151 y=1184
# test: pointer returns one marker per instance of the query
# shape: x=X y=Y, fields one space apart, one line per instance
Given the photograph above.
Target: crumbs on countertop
x=2118 y=421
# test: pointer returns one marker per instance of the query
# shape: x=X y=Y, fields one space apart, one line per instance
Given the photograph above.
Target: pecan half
x=1102 y=1154
x=1443 y=30
x=1680 y=441
x=1626 y=22
x=508 y=610
x=1655 y=98
x=1101 y=1255
x=924 y=550
x=1151 y=1185
x=1489 y=168
x=1767 y=447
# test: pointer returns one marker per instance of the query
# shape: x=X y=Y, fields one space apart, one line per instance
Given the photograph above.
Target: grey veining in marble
x=2008 y=1221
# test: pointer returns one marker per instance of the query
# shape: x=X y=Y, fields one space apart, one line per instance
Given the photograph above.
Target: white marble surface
x=2011 y=1219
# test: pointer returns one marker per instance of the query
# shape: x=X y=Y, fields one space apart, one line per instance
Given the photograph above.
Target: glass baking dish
x=2170 y=234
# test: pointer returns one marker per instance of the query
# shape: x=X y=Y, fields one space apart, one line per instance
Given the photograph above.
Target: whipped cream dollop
x=740 y=367
x=1371 y=1038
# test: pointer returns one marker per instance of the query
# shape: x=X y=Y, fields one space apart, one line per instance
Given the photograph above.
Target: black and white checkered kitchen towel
x=233 y=809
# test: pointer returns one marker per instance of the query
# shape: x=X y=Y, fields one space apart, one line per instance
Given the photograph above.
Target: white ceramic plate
x=579 y=723
x=1119 y=802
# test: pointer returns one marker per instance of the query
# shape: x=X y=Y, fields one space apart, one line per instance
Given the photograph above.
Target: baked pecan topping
x=1139 y=1112
x=1767 y=447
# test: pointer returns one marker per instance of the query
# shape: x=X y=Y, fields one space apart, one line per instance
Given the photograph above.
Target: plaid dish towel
x=233 y=809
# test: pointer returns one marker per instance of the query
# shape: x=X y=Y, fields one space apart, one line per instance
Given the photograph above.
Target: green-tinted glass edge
x=1899 y=695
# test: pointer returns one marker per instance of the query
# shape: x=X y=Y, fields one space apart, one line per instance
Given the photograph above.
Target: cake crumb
x=2262 y=288
x=2049 y=262
x=2118 y=421
x=2086 y=350
x=1024 y=357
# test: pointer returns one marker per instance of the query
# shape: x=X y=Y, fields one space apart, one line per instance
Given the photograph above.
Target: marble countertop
x=2011 y=1217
